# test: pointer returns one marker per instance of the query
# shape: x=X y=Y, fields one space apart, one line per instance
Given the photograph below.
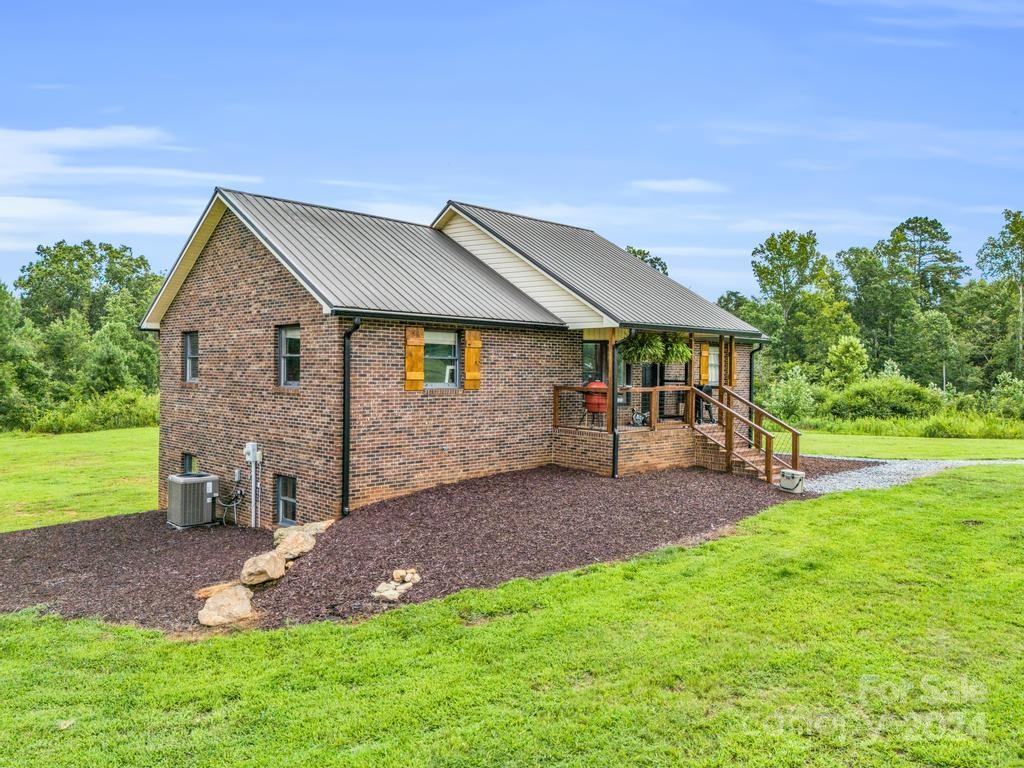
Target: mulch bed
x=477 y=533
x=127 y=568
x=815 y=466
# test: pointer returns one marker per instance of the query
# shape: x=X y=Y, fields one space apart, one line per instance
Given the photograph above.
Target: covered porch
x=696 y=413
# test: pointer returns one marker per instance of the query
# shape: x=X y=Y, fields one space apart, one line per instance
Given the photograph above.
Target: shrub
x=115 y=410
x=1008 y=396
x=884 y=397
x=792 y=396
x=945 y=424
x=846 y=362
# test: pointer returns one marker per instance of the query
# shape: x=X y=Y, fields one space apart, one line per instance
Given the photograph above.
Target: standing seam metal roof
x=610 y=278
x=362 y=262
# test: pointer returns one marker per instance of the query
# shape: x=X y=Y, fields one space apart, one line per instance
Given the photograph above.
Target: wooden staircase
x=741 y=444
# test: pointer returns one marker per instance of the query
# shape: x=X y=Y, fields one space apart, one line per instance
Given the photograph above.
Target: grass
x=887 y=447
x=48 y=479
x=869 y=628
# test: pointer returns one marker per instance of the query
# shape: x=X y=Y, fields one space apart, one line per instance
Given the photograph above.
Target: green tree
x=107 y=368
x=656 y=262
x=846 y=362
x=926 y=347
x=1002 y=258
x=922 y=245
x=881 y=292
x=786 y=264
x=66 y=347
x=733 y=301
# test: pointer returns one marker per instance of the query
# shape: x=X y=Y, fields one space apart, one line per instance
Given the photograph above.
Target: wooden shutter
x=414 y=357
x=732 y=362
x=471 y=377
x=705 y=359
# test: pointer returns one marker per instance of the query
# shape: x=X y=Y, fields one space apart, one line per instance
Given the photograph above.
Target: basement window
x=189 y=463
x=190 y=356
x=286 y=503
x=288 y=349
x=440 y=359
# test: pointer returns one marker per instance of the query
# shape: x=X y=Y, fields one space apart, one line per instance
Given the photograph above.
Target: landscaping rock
x=313 y=529
x=262 y=568
x=208 y=592
x=226 y=607
x=296 y=544
x=398 y=575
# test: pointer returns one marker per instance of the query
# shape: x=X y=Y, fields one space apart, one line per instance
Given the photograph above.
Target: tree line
x=69 y=338
x=910 y=299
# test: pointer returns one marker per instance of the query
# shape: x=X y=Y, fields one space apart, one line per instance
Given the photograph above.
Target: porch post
x=613 y=396
x=721 y=368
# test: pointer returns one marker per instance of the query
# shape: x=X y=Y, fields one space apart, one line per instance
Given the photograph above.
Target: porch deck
x=682 y=426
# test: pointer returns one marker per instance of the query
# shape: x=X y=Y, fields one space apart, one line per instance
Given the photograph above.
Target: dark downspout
x=346 y=417
x=613 y=409
x=753 y=350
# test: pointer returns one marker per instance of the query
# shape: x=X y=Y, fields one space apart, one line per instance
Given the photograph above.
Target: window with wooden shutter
x=414 y=357
x=705 y=363
x=471 y=377
x=732 y=362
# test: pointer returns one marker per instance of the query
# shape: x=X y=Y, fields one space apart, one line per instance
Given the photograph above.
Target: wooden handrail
x=794 y=432
x=762 y=411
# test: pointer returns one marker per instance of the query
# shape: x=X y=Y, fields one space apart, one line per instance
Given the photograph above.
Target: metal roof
x=359 y=262
x=616 y=282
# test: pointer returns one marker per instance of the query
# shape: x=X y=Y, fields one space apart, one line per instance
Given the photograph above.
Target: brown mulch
x=476 y=533
x=126 y=568
x=815 y=466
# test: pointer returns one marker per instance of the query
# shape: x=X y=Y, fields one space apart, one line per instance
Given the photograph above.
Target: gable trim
x=204 y=228
x=454 y=207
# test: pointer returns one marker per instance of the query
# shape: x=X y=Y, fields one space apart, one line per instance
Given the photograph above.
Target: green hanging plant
x=648 y=347
x=677 y=349
x=641 y=347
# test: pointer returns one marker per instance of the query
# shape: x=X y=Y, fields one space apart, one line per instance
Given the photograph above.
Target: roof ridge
x=325 y=207
x=521 y=215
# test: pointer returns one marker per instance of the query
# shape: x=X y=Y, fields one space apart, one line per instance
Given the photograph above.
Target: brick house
x=451 y=351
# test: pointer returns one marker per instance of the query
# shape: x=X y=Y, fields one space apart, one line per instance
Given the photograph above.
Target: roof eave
x=432 y=318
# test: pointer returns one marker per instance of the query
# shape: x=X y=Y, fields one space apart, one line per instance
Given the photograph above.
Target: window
x=595 y=355
x=286 y=504
x=190 y=356
x=714 y=362
x=440 y=359
x=288 y=356
x=189 y=463
x=593 y=361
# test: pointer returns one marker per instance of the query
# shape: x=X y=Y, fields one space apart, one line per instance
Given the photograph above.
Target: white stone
x=398 y=575
x=261 y=568
x=296 y=544
x=226 y=607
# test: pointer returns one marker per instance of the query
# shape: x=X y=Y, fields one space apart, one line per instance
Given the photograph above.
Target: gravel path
x=888 y=473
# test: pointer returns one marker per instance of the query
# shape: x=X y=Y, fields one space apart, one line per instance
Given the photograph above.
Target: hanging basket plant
x=648 y=347
x=677 y=349
x=641 y=347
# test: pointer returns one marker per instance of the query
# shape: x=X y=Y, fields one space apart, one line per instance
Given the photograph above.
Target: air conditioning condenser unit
x=191 y=499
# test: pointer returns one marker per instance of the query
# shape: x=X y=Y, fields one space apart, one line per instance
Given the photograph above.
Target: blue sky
x=693 y=129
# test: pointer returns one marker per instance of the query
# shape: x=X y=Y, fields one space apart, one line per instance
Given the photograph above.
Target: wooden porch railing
x=760 y=415
x=736 y=426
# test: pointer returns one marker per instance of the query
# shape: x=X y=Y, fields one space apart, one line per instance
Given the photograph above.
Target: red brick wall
x=590 y=450
x=407 y=440
x=643 y=450
x=235 y=297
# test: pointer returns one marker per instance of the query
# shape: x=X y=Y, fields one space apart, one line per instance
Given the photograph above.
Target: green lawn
x=870 y=629
x=47 y=479
x=870 y=446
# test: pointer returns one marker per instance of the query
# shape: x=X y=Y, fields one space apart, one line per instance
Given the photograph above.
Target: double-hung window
x=288 y=355
x=189 y=463
x=595 y=355
x=440 y=359
x=286 y=499
x=190 y=356
x=714 y=365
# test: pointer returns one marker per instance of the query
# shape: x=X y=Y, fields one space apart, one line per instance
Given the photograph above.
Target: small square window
x=189 y=464
x=440 y=359
x=286 y=500
x=288 y=355
x=190 y=356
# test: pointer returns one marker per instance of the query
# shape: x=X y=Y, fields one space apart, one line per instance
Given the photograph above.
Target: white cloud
x=24 y=219
x=940 y=14
x=687 y=186
x=32 y=157
x=879 y=138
